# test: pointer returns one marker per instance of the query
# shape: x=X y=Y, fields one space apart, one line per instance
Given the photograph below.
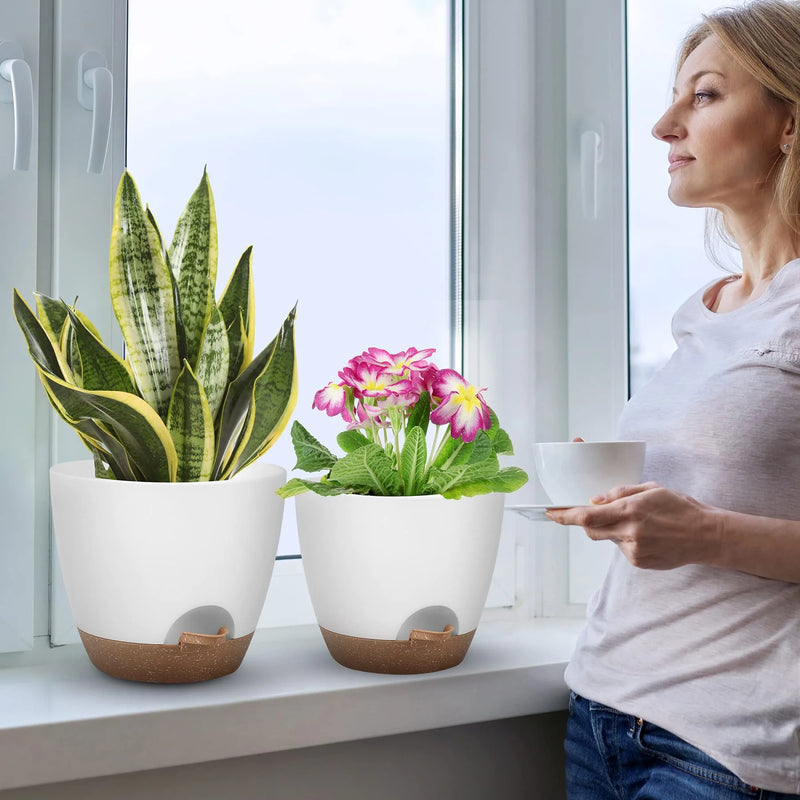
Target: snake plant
x=189 y=402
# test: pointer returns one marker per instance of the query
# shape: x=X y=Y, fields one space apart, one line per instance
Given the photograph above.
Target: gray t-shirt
x=710 y=654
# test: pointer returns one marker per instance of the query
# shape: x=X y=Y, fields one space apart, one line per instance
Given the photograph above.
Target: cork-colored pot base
x=425 y=651
x=197 y=658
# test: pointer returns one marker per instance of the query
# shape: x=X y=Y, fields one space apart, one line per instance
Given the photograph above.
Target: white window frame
x=531 y=86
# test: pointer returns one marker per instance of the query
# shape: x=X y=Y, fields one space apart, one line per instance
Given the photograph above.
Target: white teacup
x=571 y=473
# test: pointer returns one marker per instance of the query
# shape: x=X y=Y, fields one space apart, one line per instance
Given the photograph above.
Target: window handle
x=95 y=94
x=15 y=72
x=591 y=156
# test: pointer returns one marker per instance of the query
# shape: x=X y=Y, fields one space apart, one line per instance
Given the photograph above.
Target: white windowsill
x=61 y=719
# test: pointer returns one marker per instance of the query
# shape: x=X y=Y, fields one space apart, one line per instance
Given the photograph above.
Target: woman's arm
x=656 y=528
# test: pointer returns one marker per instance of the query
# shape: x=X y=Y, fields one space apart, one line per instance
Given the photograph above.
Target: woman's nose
x=667 y=127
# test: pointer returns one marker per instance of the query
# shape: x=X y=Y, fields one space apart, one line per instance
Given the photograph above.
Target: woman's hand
x=655 y=528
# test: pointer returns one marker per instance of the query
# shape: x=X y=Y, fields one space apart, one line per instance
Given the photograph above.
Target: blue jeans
x=614 y=756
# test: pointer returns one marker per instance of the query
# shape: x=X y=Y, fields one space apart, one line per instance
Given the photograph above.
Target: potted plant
x=166 y=547
x=399 y=536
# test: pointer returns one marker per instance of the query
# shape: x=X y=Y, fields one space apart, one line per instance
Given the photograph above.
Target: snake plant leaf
x=271 y=403
x=274 y=398
x=191 y=425
x=412 y=460
x=101 y=368
x=175 y=297
x=52 y=314
x=213 y=361
x=312 y=455
x=44 y=351
x=131 y=420
x=369 y=468
x=193 y=257
x=297 y=486
x=238 y=303
x=142 y=298
x=103 y=445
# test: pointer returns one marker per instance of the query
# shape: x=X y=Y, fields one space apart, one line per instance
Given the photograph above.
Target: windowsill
x=62 y=720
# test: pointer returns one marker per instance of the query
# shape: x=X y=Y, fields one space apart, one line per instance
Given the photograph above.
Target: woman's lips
x=676 y=162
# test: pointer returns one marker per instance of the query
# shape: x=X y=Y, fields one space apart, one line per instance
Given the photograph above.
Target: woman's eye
x=702 y=97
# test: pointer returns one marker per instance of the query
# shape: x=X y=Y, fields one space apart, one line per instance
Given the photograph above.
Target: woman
x=685 y=683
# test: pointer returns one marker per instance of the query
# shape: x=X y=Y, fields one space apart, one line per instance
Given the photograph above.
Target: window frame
x=529 y=85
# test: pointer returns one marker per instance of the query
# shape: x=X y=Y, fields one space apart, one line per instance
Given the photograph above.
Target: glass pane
x=667 y=258
x=325 y=128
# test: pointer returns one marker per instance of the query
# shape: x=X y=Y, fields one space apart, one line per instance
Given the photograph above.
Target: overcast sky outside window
x=324 y=126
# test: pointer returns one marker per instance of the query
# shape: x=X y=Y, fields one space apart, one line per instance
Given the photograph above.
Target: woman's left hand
x=654 y=527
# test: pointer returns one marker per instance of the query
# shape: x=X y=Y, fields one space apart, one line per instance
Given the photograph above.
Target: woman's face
x=724 y=133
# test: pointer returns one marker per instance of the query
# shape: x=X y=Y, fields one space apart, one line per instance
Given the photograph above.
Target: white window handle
x=95 y=94
x=16 y=72
x=591 y=156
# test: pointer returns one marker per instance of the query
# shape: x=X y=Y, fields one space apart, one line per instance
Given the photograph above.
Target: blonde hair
x=764 y=37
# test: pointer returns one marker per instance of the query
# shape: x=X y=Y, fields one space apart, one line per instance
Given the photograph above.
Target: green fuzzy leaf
x=101 y=369
x=370 y=468
x=312 y=455
x=507 y=480
x=213 y=362
x=237 y=306
x=502 y=444
x=453 y=452
x=267 y=394
x=297 y=486
x=142 y=298
x=191 y=426
x=193 y=257
x=351 y=440
x=481 y=448
x=441 y=481
x=421 y=413
x=130 y=419
x=412 y=460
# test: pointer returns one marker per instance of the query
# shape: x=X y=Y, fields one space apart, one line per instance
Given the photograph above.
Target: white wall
x=504 y=760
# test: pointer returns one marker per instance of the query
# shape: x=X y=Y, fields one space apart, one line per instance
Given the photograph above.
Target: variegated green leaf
x=130 y=419
x=52 y=314
x=102 y=444
x=193 y=258
x=272 y=401
x=44 y=351
x=239 y=398
x=175 y=297
x=238 y=303
x=101 y=368
x=368 y=468
x=412 y=460
x=212 y=364
x=191 y=425
x=142 y=298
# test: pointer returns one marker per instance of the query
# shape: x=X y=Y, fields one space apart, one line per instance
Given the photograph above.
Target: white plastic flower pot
x=398 y=584
x=166 y=581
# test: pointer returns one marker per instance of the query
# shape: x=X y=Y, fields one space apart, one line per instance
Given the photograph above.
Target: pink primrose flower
x=412 y=359
x=462 y=406
x=331 y=399
x=372 y=380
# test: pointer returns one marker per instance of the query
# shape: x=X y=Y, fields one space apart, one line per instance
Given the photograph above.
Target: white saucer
x=535 y=513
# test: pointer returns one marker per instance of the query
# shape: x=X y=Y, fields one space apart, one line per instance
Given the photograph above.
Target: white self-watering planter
x=398 y=584
x=166 y=581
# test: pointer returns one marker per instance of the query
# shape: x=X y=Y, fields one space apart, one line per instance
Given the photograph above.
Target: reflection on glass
x=324 y=126
x=667 y=258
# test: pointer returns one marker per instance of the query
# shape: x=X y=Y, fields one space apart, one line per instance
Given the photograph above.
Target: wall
x=501 y=760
